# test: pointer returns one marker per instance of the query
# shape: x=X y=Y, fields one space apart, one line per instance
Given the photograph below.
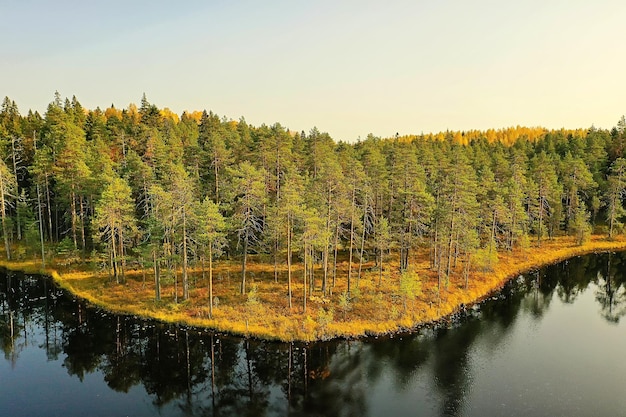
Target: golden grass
x=372 y=310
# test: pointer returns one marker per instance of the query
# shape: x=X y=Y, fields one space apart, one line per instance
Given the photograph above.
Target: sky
x=349 y=68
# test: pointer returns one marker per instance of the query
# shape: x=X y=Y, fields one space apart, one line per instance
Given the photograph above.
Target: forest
x=144 y=189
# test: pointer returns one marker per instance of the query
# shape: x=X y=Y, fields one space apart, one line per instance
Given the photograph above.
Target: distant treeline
x=142 y=184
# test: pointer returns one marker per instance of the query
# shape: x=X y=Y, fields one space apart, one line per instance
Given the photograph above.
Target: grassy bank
x=264 y=311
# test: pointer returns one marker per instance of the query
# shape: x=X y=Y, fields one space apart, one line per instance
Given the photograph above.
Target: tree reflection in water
x=611 y=289
x=187 y=371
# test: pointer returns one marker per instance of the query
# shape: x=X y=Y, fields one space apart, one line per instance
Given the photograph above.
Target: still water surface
x=552 y=343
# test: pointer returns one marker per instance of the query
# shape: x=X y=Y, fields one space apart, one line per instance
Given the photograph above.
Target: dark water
x=553 y=343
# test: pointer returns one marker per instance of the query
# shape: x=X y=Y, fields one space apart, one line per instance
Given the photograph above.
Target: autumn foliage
x=267 y=231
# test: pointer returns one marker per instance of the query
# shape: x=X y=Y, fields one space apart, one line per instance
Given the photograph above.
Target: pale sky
x=348 y=67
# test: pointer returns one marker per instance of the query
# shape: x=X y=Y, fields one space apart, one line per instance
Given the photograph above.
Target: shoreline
x=376 y=311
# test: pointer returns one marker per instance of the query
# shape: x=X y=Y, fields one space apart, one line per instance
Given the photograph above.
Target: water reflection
x=184 y=371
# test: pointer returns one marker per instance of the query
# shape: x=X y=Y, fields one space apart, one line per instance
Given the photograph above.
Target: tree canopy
x=147 y=186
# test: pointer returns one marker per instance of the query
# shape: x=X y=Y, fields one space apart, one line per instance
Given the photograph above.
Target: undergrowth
x=396 y=304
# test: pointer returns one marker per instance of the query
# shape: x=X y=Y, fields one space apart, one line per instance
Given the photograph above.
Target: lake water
x=552 y=343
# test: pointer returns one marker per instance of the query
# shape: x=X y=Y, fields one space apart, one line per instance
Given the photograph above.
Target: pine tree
x=70 y=170
x=577 y=181
x=382 y=236
x=181 y=189
x=247 y=193
x=8 y=187
x=211 y=234
x=215 y=153
x=291 y=211
x=615 y=194
x=458 y=210
x=546 y=198
x=327 y=193
x=115 y=222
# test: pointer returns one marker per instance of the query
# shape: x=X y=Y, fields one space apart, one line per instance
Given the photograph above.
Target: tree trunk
x=217 y=186
x=3 y=207
x=39 y=212
x=244 y=264
x=173 y=269
x=289 y=260
x=540 y=220
x=512 y=231
x=122 y=256
x=326 y=247
x=143 y=271
x=17 y=212
x=210 y=279
x=450 y=246
x=43 y=252
x=157 y=277
x=493 y=232
x=336 y=249
x=311 y=269
x=185 y=277
x=358 y=277
x=435 y=250
x=467 y=269
x=82 y=224
x=73 y=215
x=451 y=235
x=380 y=266
x=305 y=277
x=409 y=244
x=50 y=230
x=276 y=258
x=114 y=255
x=351 y=237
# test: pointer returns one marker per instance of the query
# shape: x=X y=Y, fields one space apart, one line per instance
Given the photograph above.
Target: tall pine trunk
x=39 y=212
x=82 y=224
x=17 y=211
x=157 y=276
x=244 y=264
x=305 y=271
x=51 y=234
x=326 y=253
x=336 y=249
x=351 y=236
x=114 y=255
x=217 y=183
x=210 y=279
x=3 y=208
x=122 y=256
x=73 y=215
x=185 y=261
x=289 y=259
x=358 y=277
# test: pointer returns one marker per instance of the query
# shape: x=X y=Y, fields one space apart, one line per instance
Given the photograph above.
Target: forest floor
x=370 y=309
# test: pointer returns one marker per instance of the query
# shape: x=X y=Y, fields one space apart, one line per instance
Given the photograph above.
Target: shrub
x=410 y=285
x=486 y=258
x=345 y=303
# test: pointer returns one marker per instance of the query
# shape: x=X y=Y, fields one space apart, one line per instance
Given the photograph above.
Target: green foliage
x=615 y=194
x=143 y=182
x=345 y=303
x=410 y=286
x=580 y=226
x=486 y=258
x=252 y=298
x=211 y=227
x=324 y=318
x=31 y=237
x=65 y=253
x=524 y=242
